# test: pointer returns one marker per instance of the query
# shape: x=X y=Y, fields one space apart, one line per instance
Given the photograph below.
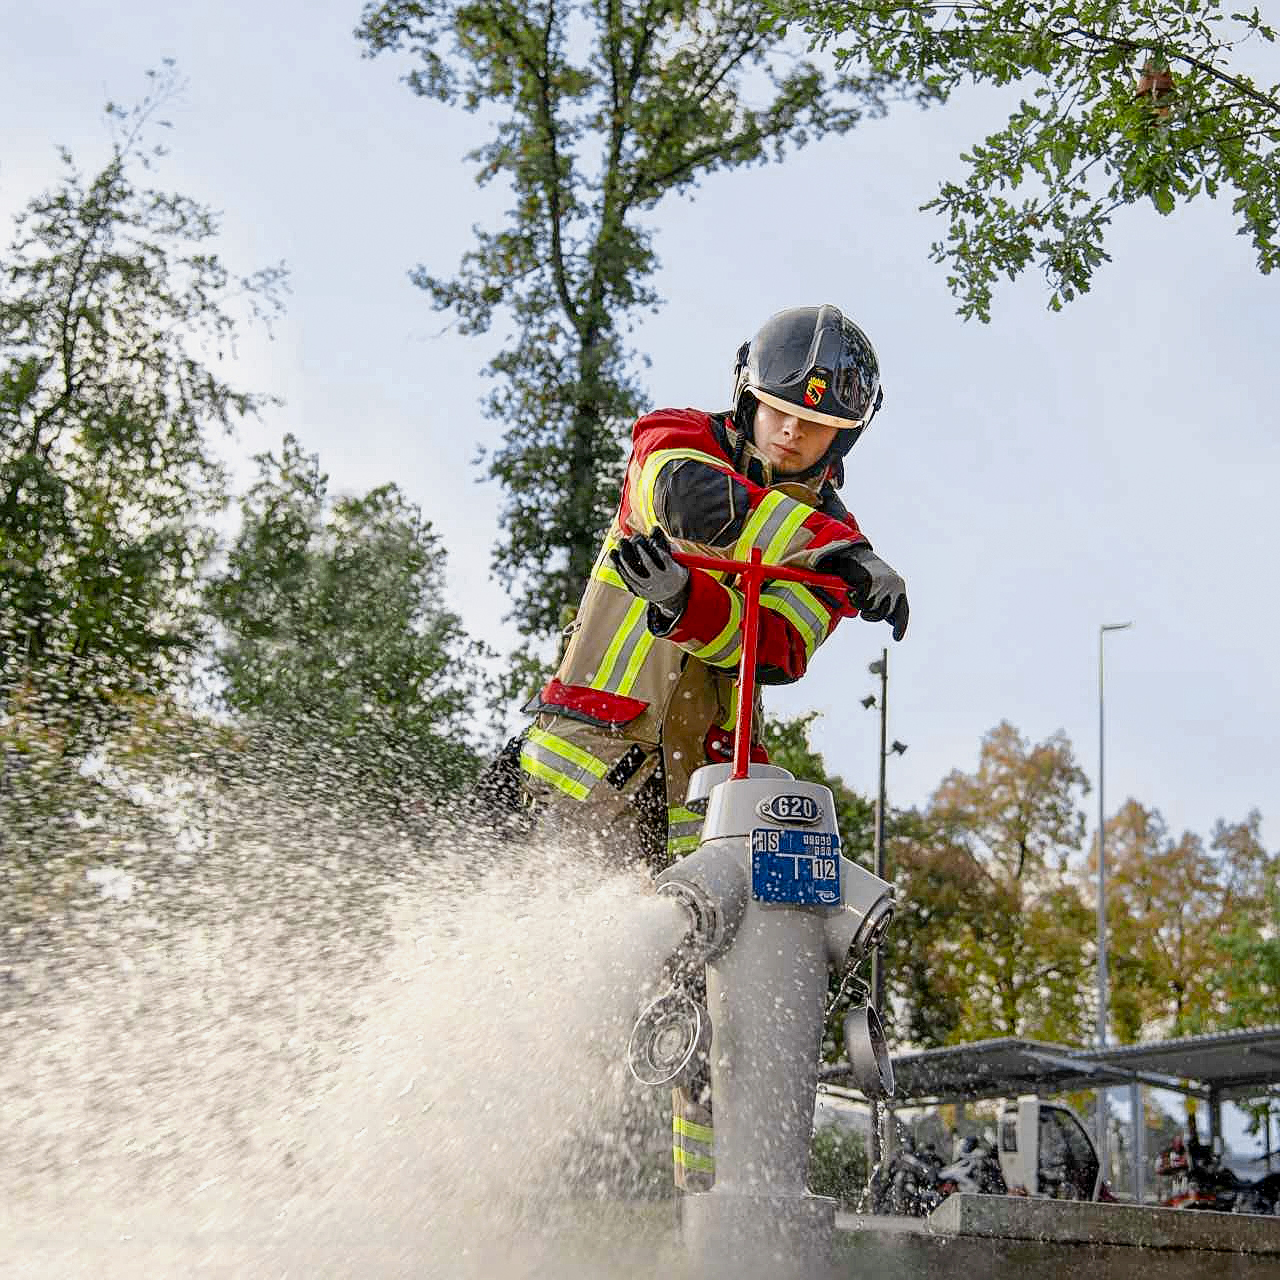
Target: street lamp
x=1102 y=898
x=880 y=668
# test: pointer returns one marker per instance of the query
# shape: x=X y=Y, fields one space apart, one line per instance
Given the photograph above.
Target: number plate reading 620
x=800 y=867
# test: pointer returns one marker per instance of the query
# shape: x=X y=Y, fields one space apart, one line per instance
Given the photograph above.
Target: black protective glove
x=875 y=590
x=646 y=565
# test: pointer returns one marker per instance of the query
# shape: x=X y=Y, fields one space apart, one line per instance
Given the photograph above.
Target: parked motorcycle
x=1197 y=1179
x=975 y=1170
x=1260 y=1195
x=908 y=1185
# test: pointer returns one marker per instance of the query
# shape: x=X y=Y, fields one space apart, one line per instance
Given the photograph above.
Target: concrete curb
x=1072 y=1221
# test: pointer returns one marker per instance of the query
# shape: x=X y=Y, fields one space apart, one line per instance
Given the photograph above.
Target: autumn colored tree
x=1125 y=102
x=1001 y=926
x=1163 y=905
x=1246 y=871
x=1176 y=910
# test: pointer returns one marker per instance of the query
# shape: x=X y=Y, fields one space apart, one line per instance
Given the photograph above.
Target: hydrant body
x=778 y=907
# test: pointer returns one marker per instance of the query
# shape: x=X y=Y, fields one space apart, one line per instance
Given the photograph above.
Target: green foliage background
x=1122 y=103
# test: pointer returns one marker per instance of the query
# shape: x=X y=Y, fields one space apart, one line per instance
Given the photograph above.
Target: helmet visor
x=837 y=355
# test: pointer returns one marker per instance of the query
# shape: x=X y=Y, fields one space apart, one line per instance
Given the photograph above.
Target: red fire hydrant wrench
x=751 y=574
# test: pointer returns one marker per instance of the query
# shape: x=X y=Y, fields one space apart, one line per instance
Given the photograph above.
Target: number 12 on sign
x=797 y=867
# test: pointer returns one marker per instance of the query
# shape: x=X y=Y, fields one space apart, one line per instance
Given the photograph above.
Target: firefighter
x=646 y=689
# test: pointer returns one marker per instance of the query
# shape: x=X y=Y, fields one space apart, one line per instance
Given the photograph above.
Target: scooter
x=908 y=1185
x=975 y=1170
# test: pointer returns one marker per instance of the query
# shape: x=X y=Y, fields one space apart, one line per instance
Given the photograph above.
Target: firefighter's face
x=793 y=444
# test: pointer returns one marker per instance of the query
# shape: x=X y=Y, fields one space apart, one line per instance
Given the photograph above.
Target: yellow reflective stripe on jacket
x=626 y=652
x=771 y=527
x=781 y=540
x=684 y=830
x=643 y=494
x=603 y=569
x=620 y=666
x=730 y=721
x=690 y=1160
x=800 y=607
x=561 y=763
x=725 y=649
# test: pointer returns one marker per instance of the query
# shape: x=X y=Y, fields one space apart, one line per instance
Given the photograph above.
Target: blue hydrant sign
x=798 y=867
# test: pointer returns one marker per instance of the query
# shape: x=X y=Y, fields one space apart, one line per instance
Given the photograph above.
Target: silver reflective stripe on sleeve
x=801 y=608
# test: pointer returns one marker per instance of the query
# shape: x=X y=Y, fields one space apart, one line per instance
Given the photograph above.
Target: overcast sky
x=1032 y=478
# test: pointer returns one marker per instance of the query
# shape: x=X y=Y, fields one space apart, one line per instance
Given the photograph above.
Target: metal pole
x=1102 y=899
x=1102 y=864
x=877 y=966
x=1138 y=1162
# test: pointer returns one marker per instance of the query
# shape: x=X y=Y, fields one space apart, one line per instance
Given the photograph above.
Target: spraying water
x=261 y=1038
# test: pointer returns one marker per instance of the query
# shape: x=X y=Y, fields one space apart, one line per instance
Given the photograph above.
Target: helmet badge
x=814 y=390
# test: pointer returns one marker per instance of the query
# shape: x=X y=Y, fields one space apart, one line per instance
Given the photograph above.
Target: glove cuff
x=662 y=619
x=826 y=562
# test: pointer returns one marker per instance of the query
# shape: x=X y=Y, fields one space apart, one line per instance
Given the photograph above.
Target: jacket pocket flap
x=593 y=706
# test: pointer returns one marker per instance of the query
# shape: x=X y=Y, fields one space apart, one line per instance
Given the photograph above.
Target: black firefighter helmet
x=814 y=362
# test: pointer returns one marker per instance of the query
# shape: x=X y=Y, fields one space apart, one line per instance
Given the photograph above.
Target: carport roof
x=1225 y=1063
x=1228 y=1062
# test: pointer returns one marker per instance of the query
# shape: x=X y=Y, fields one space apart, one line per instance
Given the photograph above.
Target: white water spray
x=286 y=1062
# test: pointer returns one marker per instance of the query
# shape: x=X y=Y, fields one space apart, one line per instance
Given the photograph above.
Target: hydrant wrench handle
x=752 y=574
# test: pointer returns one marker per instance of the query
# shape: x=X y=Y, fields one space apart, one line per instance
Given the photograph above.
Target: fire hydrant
x=773 y=907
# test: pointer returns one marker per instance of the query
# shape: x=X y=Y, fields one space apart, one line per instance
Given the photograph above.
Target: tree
x=601 y=111
x=1195 y=932
x=939 y=890
x=1175 y=910
x=1128 y=102
x=112 y=305
x=1245 y=868
x=1247 y=974
x=1001 y=920
x=334 y=632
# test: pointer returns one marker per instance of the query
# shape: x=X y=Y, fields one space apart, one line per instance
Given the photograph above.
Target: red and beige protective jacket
x=631 y=690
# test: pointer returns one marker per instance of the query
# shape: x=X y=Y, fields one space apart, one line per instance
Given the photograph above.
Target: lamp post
x=1102 y=898
x=880 y=668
